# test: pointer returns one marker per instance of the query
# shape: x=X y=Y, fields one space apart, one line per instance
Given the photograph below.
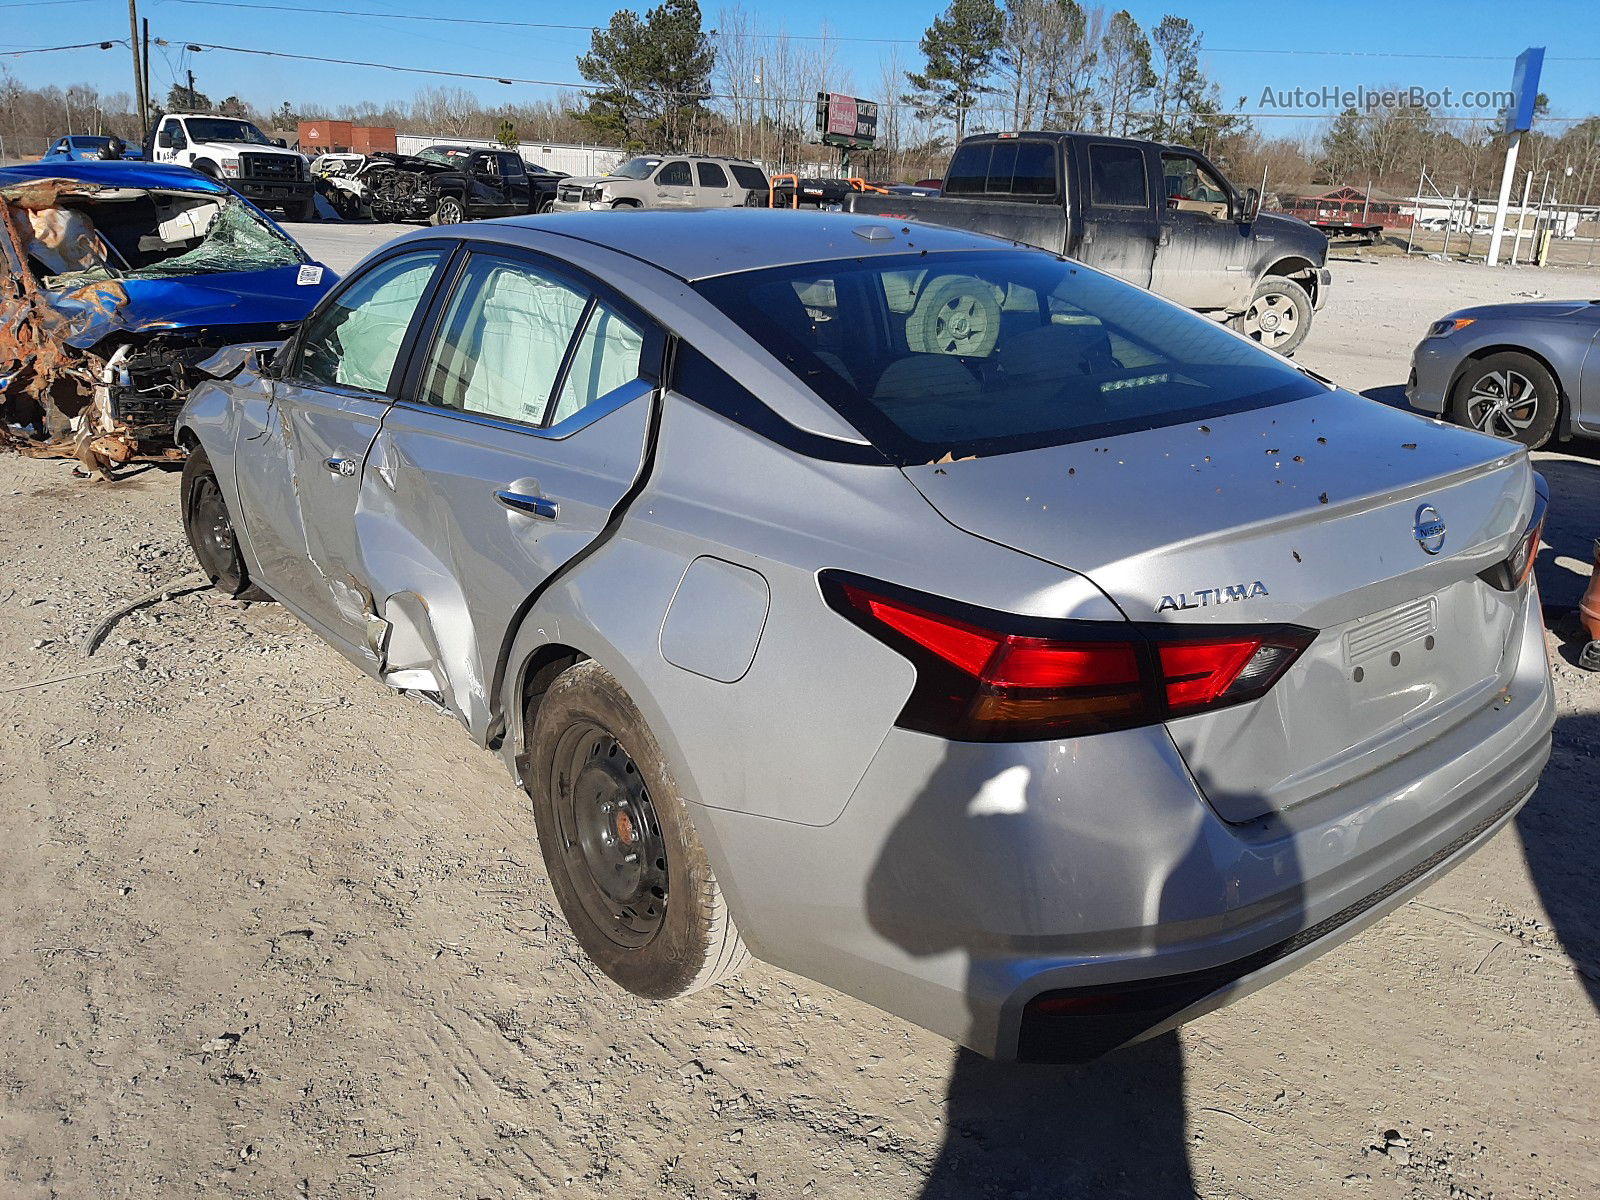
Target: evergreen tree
x=960 y=49
x=654 y=77
x=506 y=134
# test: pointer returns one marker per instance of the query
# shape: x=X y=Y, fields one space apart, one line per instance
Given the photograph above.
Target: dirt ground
x=272 y=931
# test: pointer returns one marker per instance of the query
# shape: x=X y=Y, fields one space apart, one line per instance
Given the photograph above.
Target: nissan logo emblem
x=1429 y=529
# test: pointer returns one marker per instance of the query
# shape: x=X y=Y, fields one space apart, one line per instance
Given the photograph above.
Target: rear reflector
x=988 y=676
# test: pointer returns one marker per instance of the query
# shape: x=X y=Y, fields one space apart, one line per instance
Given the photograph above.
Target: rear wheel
x=628 y=869
x=209 y=527
x=1279 y=316
x=1510 y=395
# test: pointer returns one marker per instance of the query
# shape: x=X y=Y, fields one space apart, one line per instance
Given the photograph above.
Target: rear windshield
x=986 y=352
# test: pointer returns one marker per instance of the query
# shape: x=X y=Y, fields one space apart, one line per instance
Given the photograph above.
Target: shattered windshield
x=636 y=168
x=222 y=129
x=73 y=239
x=450 y=156
x=236 y=241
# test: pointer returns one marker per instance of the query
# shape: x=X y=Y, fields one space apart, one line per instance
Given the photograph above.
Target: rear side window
x=986 y=352
x=1117 y=177
x=674 y=174
x=711 y=175
x=748 y=177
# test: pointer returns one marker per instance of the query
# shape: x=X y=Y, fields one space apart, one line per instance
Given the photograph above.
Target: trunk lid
x=1306 y=513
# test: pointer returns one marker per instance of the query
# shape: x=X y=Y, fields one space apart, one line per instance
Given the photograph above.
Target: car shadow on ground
x=950 y=871
x=1392 y=394
x=1560 y=832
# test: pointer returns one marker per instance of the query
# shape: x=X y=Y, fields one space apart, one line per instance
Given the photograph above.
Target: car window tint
x=748 y=177
x=969 y=170
x=503 y=341
x=355 y=340
x=711 y=175
x=607 y=356
x=1117 y=177
x=984 y=352
x=674 y=174
x=1035 y=172
x=511 y=165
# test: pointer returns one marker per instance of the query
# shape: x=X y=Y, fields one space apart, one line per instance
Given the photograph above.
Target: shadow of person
x=962 y=875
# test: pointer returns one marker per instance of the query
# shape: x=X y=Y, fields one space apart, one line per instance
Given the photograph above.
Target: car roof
x=702 y=244
x=117 y=173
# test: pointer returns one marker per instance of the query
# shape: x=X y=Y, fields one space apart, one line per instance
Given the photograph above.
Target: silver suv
x=666 y=181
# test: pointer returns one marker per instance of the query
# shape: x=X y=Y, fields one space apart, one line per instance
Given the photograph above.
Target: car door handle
x=341 y=466
x=537 y=505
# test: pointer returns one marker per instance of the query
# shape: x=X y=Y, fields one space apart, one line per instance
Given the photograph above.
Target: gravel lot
x=277 y=932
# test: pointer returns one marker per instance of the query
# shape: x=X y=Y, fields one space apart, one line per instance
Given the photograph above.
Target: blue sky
x=1432 y=44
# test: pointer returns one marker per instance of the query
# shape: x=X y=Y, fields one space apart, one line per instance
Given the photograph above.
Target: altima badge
x=1429 y=529
x=1206 y=597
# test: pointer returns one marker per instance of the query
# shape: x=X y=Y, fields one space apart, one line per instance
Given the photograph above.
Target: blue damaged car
x=122 y=278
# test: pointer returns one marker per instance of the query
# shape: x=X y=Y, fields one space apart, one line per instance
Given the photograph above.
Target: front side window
x=674 y=174
x=1190 y=187
x=511 y=166
x=985 y=352
x=175 y=135
x=355 y=340
x=1117 y=177
x=503 y=341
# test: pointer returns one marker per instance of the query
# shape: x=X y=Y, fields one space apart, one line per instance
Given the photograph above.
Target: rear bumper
x=965 y=882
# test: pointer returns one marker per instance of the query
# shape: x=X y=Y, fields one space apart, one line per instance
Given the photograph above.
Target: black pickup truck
x=1160 y=216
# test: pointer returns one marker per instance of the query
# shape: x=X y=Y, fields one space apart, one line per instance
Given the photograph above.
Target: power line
x=52 y=49
x=396 y=16
x=812 y=37
x=591 y=87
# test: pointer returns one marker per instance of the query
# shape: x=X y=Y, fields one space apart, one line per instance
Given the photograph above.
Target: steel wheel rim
x=960 y=319
x=1504 y=403
x=611 y=839
x=213 y=529
x=1272 y=319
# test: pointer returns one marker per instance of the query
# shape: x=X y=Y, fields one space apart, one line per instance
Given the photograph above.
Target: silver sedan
x=936 y=618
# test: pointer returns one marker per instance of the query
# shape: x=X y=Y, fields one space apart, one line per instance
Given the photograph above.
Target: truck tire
x=1278 y=317
x=957 y=315
x=628 y=869
x=448 y=210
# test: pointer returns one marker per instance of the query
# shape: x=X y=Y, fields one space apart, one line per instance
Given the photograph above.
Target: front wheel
x=629 y=872
x=1509 y=395
x=1279 y=316
x=209 y=528
x=448 y=211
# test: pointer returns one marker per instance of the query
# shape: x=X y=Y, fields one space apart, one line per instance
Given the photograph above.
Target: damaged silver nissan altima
x=937 y=618
x=121 y=278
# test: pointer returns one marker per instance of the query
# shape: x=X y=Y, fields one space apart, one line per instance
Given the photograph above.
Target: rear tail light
x=1512 y=572
x=995 y=677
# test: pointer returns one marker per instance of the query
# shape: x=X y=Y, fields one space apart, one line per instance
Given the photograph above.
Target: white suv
x=667 y=181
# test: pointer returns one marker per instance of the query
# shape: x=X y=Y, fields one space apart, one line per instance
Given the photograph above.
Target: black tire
x=1509 y=395
x=448 y=210
x=209 y=528
x=305 y=210
x=1278 y=316
x=656 y=923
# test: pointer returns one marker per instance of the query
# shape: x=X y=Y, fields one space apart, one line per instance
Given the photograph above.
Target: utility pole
x=141 y=93
x=189 y=101
x=144 y=59
x=761 y=80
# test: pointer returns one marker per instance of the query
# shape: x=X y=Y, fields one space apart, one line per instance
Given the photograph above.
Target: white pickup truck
x=235 y=151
